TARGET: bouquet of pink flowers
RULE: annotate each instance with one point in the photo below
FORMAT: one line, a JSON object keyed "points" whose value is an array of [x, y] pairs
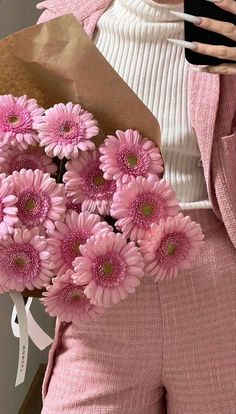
{"points": [[87, 222]]}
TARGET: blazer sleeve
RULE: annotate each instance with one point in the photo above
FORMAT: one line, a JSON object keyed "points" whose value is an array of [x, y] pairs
{"points": [[56, 8], [87, 12]]}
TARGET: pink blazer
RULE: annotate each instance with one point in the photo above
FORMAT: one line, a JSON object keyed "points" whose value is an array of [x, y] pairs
{"points": [[212, 100]]}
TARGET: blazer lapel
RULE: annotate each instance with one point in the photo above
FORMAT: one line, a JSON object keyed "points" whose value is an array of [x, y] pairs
{"points": [[204, 93]]}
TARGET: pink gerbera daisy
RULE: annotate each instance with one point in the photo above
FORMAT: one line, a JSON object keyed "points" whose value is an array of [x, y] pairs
{"points": [[65, 241], [110, 267], [172, 245], [66, 129], [33, 158], [18, 119], [143, 202], [68, 302], [8, 209], [129, 155], [24, 260], [85, 183], [41, 201]]}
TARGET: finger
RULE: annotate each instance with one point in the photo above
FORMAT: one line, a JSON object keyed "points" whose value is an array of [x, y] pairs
{"points": [[224, 69], [222, 52], [227, 29], [228, 5]]}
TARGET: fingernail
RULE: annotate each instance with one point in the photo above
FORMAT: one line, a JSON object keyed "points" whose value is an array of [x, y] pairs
{"points": [[183, 43], [187, 17], [215, 1], [198, 68]]}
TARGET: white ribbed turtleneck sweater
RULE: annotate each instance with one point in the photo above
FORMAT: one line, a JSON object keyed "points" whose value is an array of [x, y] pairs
{"points": [[132, 35]]}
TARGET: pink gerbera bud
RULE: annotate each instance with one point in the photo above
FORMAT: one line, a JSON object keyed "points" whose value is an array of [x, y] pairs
{"points": [[66, 129], [41, 201], [33, 158], [8, 209], [85, 183], [171, 245], [143, 202], [18, 119], [129, 155], [68, 302], [24, 260], [68, 237], [109, 267]]}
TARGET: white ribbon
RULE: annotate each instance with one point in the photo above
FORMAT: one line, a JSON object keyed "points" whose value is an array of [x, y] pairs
{"points": [[14, 325], [24, 338], [25, 328], [39, 337]]}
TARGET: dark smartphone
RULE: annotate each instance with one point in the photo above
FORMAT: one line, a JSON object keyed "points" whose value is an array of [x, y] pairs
{"points": [[196, 34]]}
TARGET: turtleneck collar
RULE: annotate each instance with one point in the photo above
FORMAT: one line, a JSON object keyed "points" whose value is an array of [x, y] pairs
{"points": [[149, 10]]}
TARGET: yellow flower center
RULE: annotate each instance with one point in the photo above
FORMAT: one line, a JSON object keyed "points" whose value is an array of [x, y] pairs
{"points": [[30, 205], [19, 262], [66, 127], [147, 210], [132, 160], [98, 180], [76, 296], [13, 119], [107, 268], [77, 249], [171, 249]]}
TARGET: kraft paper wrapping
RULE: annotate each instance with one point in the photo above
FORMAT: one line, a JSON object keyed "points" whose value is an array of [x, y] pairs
{"points": [[57, 62]]}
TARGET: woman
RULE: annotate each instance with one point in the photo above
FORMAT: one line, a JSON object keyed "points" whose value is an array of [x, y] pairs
{"points": [[170, 346]]}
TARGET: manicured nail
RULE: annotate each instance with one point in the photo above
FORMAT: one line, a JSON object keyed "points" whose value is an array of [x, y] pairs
{"points": [[188, 17], [198, 68], [183, 43], [215, 1]]}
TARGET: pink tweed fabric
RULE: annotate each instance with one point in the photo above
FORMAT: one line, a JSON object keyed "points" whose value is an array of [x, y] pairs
{"points": [[170, 343], [86, 11]]}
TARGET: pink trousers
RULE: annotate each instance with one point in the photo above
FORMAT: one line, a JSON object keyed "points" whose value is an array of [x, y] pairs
{"points": [[169, 348]]}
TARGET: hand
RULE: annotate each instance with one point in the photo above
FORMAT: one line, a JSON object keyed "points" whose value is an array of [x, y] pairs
{"points": [[226, 29]]}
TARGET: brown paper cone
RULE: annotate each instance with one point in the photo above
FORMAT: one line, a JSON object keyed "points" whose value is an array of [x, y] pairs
{"points": [[57, 62]]}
